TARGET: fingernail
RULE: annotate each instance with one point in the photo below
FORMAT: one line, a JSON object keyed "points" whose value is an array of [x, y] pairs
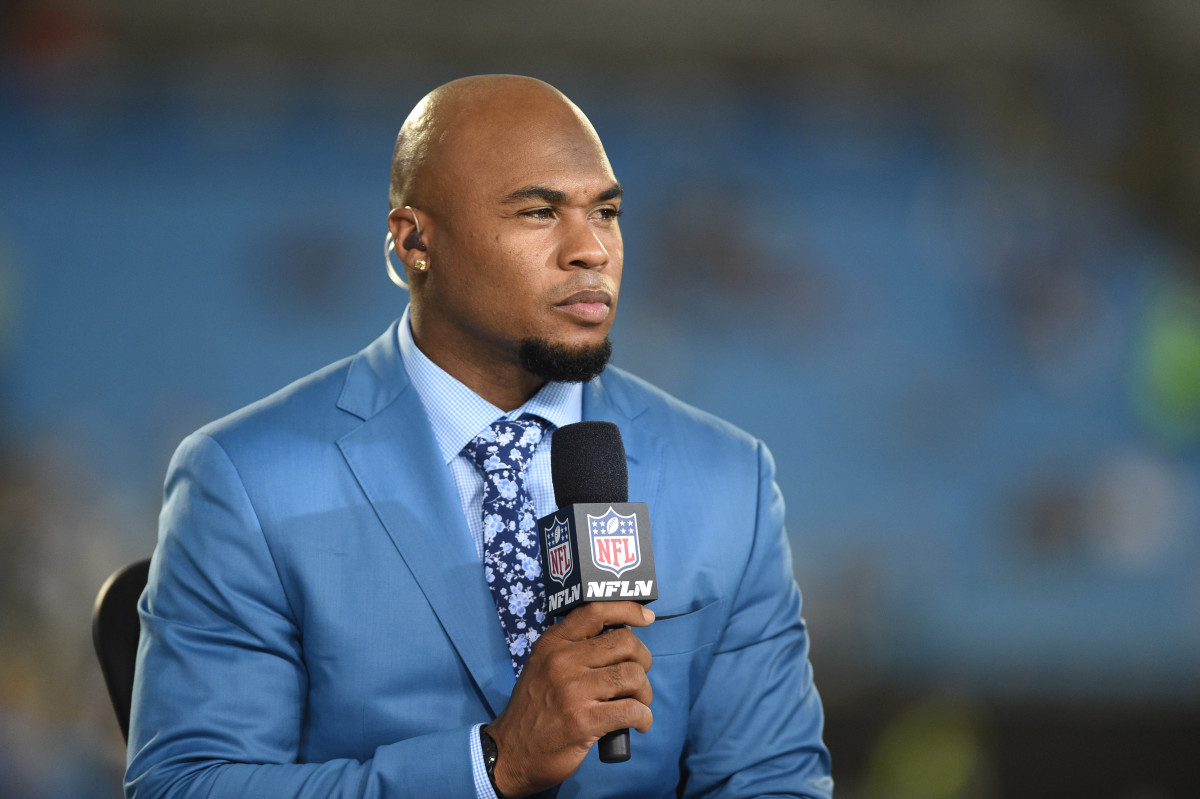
{"points": [[647, 614]]}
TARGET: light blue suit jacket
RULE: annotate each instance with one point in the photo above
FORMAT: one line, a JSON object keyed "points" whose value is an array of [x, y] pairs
{"points": [[316, 623]]}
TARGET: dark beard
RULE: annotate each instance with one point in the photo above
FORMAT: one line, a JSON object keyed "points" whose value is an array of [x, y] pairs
{"points": [[563, 364]]}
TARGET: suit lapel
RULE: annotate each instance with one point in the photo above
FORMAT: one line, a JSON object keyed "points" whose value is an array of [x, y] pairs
{"points": [[396, 461]]}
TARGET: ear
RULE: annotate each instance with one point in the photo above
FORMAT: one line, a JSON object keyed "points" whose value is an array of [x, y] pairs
{"points": [[410, 246]]}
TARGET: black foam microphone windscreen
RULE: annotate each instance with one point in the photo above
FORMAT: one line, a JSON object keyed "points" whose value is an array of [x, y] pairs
{"points": [[587, 462]]}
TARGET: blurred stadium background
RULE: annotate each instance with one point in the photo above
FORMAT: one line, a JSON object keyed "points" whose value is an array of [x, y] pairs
{"points": [[943, 256]]}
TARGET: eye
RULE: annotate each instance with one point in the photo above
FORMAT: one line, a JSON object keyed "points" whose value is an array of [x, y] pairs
{"points": [[539, 213], [608, 214]]}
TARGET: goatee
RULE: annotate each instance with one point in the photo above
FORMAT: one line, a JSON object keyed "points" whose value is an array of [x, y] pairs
{"points": [[562, 364]]}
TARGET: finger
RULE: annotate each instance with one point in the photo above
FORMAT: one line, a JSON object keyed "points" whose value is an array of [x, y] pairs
{"points": [[588, 621], [629, 681], [615, 646], [620, 714], [619, 681], [566, 664]]}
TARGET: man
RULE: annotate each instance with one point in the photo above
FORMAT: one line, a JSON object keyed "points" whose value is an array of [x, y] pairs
{"points": [[328, 614]]}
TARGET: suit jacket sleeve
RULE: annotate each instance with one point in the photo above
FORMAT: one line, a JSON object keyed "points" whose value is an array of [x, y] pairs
{"points": [[756, 725], [220, 693]]}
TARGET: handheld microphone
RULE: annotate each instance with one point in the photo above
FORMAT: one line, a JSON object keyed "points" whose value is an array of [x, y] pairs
{"points": [[596, 546]]}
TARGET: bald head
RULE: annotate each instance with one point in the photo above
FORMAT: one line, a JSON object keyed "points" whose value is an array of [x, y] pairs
{"points": [[457, 127]]}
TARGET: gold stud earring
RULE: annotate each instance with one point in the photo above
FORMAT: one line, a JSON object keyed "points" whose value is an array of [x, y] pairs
{"points": [[420, 265]]}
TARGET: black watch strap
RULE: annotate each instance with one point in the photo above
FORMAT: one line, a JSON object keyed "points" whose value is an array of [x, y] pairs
{"points": [[487, 745]]}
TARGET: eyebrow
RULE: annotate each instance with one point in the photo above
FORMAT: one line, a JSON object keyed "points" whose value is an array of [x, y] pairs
{"points": [[557, 197]]}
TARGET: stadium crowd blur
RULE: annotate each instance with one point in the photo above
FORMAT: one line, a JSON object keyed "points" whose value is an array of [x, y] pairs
{"points": [[957, 295]]}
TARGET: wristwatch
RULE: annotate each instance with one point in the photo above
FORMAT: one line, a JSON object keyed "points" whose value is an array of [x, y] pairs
{"points": [[487, 745]]}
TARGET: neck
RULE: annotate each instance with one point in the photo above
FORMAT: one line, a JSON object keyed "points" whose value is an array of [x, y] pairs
{"points": [[497, 377], [506, 388]]}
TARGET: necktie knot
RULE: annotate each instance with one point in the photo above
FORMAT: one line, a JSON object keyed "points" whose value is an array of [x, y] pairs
{"points": [[506, 445]]}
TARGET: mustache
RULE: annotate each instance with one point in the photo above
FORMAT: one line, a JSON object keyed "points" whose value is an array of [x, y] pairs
{"points": [[597, 288]]}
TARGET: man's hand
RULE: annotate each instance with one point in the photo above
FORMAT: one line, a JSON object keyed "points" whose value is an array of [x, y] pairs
{"points": [[577, 685]]}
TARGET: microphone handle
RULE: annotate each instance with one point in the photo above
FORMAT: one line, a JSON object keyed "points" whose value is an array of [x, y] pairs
{"points": [[614, 745]]}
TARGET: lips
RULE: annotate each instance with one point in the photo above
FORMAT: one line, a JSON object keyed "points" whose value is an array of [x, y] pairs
{"points": [[590, 305], [588, 296]]}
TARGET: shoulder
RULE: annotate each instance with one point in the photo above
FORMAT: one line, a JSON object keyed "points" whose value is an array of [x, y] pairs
{"points": [[320, 406], [687, 427], [292, 410]]}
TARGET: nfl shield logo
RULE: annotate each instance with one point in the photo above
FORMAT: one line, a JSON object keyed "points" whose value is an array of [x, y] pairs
{"points": [[614, 542], [558, 550]]}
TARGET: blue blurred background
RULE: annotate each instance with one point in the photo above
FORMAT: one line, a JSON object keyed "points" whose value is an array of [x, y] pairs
{"points": [[941, 256]]}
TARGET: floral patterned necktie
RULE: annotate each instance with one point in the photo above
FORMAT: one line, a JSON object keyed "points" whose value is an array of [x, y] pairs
{"points": [[511, 552]]}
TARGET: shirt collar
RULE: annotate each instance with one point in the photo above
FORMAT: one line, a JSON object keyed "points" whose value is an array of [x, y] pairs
{"points": [[457, 414]]}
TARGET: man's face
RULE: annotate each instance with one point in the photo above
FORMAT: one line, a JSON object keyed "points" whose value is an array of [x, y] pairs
{"points": [[524, 243]]}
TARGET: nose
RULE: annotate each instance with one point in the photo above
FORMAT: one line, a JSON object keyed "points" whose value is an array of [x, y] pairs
{"points": [[582, 247]]}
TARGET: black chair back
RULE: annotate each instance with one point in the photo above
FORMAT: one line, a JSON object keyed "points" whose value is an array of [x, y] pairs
{"points": [[115, 629]]}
